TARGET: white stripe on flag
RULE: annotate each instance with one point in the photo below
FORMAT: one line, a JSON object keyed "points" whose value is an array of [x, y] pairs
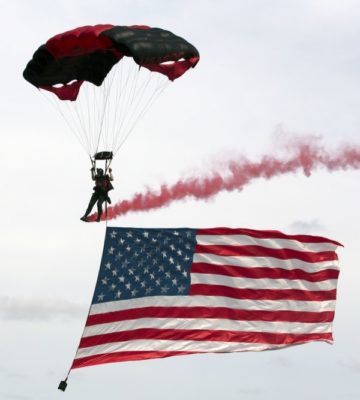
{"points": [[209, 324], [263, 283], [270, 262], [213, 301], [172, 345]]}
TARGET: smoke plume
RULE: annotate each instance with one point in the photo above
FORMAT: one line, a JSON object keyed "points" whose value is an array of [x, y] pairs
{"points": [[302, 155]]}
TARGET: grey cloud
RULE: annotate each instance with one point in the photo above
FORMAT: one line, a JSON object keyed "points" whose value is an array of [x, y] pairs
{"points": [[12, 374], [31, 309], [249, 391], [308, 227], [352, 364], [285, 362], [7, 396]]}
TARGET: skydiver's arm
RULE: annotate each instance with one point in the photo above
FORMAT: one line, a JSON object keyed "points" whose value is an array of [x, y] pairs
{"points": [[92, 173], [111, 177]]}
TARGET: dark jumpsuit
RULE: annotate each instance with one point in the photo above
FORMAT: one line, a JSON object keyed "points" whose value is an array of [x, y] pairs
{"points": [[100, 195]]}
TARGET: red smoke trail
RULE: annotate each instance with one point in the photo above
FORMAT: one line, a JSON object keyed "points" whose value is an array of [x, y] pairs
{"points": [[303, 154]]}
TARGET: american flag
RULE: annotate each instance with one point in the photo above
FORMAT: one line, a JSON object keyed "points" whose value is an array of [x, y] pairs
{"points": [[167, 292]]}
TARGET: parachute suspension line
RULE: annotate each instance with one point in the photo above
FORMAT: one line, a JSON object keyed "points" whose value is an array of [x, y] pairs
{"points": [[89, 133], [107, 165], [139, 95], [88, 99], [105, 95], [76, 121], [130, 84], [96, 102], [153, 97], [118, 80], [107, 115], [73, 128], [129, 110], [78, 112], [105, 98], [75, 115], [124, 100], [132, 116], [106, 214], [117, 106], [109, 88], [93, 98], [160, 87], [94, 113]]}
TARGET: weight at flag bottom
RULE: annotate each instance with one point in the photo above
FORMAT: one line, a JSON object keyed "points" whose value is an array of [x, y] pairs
{"points": [[168, 292]]}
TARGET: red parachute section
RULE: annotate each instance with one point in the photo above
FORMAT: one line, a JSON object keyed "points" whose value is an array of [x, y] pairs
{"points": [[88, 53], [79, 41]]}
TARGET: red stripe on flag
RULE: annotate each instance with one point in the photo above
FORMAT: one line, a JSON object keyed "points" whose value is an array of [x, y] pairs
{"points": [[203, 335], [263, 272], [262, 294], [259, 251], [144, 355], [125, 356], [214, 313]]}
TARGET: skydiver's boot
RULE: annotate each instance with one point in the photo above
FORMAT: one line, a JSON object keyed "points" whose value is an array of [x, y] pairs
{"points": [[84, 218]]}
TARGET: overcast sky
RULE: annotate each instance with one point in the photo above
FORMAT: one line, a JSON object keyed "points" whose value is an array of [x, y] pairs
{"points": [[266, 66]]}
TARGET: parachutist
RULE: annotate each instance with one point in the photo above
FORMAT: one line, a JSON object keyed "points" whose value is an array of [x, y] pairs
{"points": [[109, 57], [101, 189]]}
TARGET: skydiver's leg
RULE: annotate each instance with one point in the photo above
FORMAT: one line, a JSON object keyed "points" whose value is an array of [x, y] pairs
{"points": [[92, 202], [100, 202]]}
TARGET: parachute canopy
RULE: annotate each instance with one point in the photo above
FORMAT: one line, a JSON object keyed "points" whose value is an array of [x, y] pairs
{"points": [[106, 77], [88, 53]]}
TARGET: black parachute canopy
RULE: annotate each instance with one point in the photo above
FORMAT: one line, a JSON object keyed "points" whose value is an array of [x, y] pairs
{"points": [[88, 53]]}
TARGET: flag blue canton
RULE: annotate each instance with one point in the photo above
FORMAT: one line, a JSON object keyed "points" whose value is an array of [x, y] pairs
{"points": [[145, 262]]}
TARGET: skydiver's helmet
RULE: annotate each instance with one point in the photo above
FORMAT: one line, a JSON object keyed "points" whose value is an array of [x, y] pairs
{"points": [[99, 171]]}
